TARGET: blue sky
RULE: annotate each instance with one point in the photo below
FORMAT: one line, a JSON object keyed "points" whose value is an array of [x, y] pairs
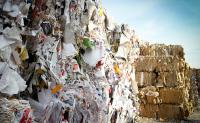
{"points": [[162, 21]]}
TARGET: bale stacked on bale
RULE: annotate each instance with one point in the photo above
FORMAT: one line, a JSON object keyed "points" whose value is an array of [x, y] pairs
{"points": [[195, 86], [164, 82], [155, 50], [198, 80]]}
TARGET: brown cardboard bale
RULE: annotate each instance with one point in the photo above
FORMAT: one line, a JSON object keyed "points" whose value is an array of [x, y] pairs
{"points": [[148, 110], [146, 64], [167, 111], [194, 96], [198, 75], [145, 79], [157, 50], [193, 72], [198, 80], [164, 111], [172, 95], [193, 91], [164, 64], [149, 95], [171, 79], [152, 99], [144, 50], [188, 109], [176, 50]]}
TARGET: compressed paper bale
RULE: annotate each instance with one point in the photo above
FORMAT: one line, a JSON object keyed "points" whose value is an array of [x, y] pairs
{"points": [[172, 95], [167, 111], [164, 51], [151, 64], [145, 79], [188, 109], [171, 79], [144, 50], [173, 50], [164, 64], [152, 50], [198, 80], [145, 64], [161, 50], [152, 97], [164, 111], [182, 65], [148, 110], [198, 74], [194, 96], [149, 95], [193, 91], [145, 90], [176, 50], [193, 71]]}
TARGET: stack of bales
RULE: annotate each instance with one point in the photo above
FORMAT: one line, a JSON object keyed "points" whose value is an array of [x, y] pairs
{"points": [[195, 85], [198, 80], [163, 81]]}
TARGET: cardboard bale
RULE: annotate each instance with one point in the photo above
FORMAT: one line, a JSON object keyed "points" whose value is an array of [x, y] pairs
{"points": [[193, 92], [198, 74], [188, 109], [198, 80], [164, 111], [149, 95], [148, 110], [144, 50], [145, 79], [194, 95], [157, 50], [171, 79], [167, 64], [176, 50], [163, 64], [167, 111], [152, 99], [146, 64], [193, 72], [153, 50], [172, 95]]}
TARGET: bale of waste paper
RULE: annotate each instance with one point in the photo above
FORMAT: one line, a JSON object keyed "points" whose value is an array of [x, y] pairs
{"points": [[172, 95]]}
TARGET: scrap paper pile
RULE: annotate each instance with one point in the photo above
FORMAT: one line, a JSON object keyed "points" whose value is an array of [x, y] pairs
{"points": [[68, 60]]}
